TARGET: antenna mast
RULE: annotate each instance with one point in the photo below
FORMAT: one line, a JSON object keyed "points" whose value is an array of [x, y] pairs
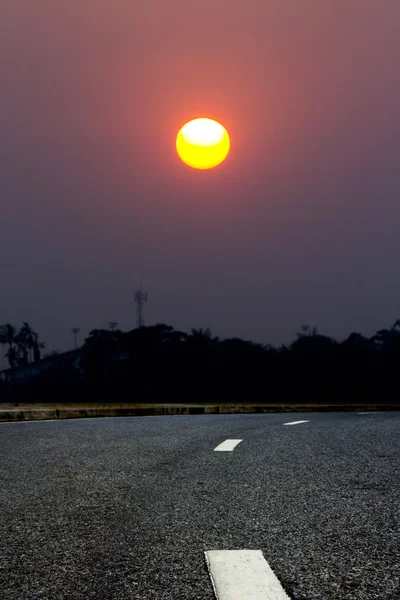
{"points": [[140, 300]]}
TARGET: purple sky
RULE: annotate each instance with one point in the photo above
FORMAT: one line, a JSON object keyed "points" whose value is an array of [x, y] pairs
{"points": [[299, 225]]}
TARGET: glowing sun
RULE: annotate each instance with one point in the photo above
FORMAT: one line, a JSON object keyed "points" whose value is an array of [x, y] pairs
{"points": [[203, 143]]}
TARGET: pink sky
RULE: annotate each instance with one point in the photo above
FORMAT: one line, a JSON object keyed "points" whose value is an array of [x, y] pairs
{"points": [[299, 225]]}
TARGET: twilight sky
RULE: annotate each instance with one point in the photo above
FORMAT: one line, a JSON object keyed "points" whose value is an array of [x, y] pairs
{"points": [[299, 225]]}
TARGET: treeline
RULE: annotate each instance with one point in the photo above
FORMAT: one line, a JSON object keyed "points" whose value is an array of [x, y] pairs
{"points": [[162, 364]]}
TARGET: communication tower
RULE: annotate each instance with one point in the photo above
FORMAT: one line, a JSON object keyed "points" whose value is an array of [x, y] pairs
{"points": [[140, 300]]}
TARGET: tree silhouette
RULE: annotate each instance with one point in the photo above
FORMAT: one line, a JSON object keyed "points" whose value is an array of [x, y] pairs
{"points": [[30, 342], [7, 337], [23, 345]]}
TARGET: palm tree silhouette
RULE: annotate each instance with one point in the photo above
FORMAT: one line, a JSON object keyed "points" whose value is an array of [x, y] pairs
{"points": [[29, 341], [23, 345], [7, 337]]}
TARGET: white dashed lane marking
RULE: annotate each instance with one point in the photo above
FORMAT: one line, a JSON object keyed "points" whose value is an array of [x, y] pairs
{"points": [[296, 422], [227, 446], [243, 575]]}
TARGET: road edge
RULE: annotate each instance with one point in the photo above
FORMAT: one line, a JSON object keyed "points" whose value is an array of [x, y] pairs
{"points": [[48, 413]]}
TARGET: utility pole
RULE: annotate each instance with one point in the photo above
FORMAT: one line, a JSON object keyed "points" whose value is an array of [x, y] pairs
{"points": [[75, 331], [113, 325], [140, 299]]}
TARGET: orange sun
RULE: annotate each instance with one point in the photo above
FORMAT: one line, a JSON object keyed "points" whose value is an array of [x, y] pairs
{"points": [[203, 143]]}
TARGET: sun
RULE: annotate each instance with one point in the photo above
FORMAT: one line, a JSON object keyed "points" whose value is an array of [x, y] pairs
{"points": [[203, 143]]}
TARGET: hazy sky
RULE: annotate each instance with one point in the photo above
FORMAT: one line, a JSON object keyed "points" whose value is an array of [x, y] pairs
{"points": [[299, 225]]}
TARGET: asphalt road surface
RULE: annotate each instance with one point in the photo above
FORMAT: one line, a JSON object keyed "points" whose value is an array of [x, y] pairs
{"points": [[123, 509]]}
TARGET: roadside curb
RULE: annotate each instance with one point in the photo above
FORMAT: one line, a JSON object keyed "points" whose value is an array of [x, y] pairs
{"points": [[40, 414]]}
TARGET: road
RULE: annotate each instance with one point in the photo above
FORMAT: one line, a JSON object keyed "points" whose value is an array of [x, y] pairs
{"points": [[123, 509]]}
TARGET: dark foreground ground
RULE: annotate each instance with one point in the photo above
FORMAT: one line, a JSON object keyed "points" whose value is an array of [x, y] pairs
{"points": [[121, 509]]}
